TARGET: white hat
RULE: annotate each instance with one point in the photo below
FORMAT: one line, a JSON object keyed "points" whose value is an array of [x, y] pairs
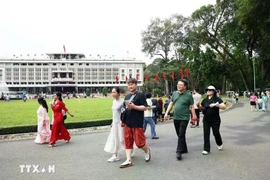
{"points": [[210, 88]]}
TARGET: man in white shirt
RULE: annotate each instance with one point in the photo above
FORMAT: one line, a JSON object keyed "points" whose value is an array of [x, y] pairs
{"points": [[197, 99], [148, 117]]}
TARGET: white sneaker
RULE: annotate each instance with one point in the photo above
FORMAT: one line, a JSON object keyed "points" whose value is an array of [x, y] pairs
{"points": [[220, 147], [126, 164], [147, 156], [114, 158], [205, 152]]}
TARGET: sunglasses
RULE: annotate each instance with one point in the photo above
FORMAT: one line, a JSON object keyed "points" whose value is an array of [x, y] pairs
{"points": [[209, 90]]}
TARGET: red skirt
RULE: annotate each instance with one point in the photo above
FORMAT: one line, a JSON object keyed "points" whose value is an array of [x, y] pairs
{"points": [[59, 131]]}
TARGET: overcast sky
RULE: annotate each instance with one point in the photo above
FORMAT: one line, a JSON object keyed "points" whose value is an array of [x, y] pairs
{"points": [[105, 27]]}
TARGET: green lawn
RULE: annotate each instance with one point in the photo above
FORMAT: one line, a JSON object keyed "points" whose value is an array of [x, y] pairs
{"points": [[19, 113]]}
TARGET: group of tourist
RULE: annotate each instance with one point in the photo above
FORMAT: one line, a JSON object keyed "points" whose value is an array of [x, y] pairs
{"points": [[129, 132], [259, 102]]}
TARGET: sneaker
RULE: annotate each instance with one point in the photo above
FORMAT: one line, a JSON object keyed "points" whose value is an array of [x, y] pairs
{"points": [[126, 164], [67, 141], [205, 152], [147, 156], [51, 145], [193, 126], [155, 137], [114, 158], [220, 147]]}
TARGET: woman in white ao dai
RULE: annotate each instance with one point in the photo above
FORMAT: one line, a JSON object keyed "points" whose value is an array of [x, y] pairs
{"points": [[115, 141], [43, 127]]}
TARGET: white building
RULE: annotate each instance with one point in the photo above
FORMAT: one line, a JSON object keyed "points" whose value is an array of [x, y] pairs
{"points": [[66, 72]]}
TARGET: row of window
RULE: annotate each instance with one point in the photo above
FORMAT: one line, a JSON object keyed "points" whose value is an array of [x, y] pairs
{"points": [[81, 82], [71, 64]]}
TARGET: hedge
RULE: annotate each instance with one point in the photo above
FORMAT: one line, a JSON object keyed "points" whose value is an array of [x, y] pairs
{"points": [[74, 125]]}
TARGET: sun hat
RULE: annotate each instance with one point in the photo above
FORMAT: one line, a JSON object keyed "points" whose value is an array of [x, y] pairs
{"points": [[210, 88]]}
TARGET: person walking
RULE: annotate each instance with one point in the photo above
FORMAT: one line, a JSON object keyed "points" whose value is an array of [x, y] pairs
{"points": [[253, 100], [236, 97], [264, 102], [133, 128], [182, 102], [160, 108], [115, 141], [167, 102], [43, 127], [211, 119], [155, 110], [197, 99], [58, 129], [259, 102], [148, 114]]}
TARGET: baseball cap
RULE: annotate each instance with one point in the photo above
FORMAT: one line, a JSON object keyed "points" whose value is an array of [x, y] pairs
{"points": [[210, 88], [132, 80]]}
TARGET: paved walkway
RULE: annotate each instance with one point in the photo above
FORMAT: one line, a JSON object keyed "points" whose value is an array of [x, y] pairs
{"points": [[246, 137]]}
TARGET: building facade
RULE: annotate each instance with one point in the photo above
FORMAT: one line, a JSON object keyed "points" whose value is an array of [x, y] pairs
{"points": [[67, 72]]}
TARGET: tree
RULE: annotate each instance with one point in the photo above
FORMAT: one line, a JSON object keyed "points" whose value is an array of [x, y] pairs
{"points": [[105, 91], [88, 92], [254, 16], [212, 27], [160, 36]]}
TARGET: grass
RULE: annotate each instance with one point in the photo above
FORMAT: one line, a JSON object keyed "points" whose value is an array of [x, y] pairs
{"points": [[19, 113]]}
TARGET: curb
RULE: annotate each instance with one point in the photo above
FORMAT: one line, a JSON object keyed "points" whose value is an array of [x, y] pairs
{"points": [[22, 136]]}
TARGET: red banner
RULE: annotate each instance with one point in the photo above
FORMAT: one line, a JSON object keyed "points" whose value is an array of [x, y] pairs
{"points": [[181, 73], [156, 77], [64, 47], [186, 71], [173, 75], [164, 76], [116, 79], [137, 77], [126, 79], [146, 77]]}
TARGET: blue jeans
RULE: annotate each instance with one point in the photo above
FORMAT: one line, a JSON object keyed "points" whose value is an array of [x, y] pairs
{"points": [[265, 106], [149, 120], [259, 106]]}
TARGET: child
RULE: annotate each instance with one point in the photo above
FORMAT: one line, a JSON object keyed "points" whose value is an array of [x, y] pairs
{"points": [[259, 101]]}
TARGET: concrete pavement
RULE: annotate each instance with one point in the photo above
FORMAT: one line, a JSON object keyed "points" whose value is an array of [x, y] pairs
{"points": [[246, 137]]}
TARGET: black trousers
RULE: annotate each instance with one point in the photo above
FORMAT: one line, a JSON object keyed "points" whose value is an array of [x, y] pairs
{"points": [[215, 124], [180, 128], [197, 111]]}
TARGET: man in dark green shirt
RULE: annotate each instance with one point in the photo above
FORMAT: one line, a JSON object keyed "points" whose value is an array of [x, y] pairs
{"points": [[183, 104]]}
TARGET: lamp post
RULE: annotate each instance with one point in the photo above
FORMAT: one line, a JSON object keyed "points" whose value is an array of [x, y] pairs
{"points": [[254, 71], [254, 75]]}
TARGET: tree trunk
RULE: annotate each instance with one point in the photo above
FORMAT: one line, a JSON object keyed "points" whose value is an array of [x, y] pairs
{"points": [[223, 85]]}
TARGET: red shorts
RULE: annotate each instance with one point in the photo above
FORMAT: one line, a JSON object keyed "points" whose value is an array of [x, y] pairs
{"points": [[132, 135]]}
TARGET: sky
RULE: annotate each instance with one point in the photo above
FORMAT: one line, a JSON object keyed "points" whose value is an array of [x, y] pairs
{"points": [[105, 27]]}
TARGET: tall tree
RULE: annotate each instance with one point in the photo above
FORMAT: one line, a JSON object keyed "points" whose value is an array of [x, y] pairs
{"points": [[159, 37], [214, 24], [254, 16]]}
